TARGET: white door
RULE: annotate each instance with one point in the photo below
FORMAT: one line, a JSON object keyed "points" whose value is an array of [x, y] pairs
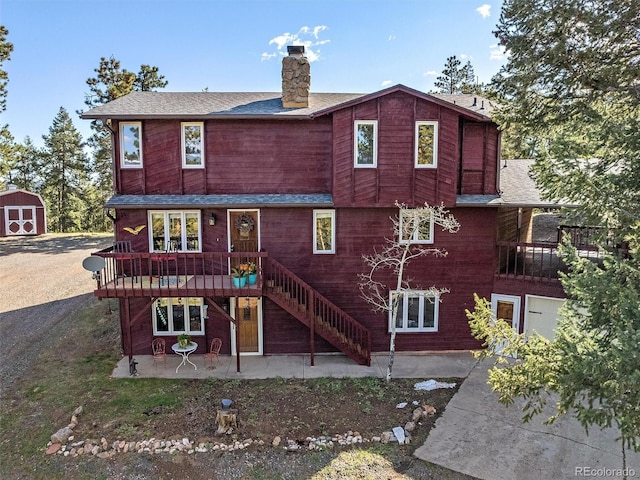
{"points": [[541, 315], [507, 308], [20, 220]]}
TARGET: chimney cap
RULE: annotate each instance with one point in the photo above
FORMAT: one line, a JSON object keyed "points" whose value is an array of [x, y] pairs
{"points": [[295, 49]]}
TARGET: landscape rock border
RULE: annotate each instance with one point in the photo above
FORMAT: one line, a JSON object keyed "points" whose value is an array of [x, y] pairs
{"points": [[62, 442]]}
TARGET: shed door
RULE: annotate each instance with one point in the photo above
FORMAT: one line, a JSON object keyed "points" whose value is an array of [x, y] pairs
{"points": [[542, 315], [20, 220]]}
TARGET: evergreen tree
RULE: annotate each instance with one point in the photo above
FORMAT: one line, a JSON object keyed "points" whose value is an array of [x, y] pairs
{"points": [[26, 172], [456, 78], [6, 48], [571, 88], [65, 175]]}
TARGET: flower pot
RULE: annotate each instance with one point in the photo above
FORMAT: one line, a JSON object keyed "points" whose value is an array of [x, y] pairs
{"points": [[253, 278], [239, 282]]}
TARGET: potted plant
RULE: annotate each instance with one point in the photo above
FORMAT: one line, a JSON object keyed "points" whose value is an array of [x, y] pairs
{"points": [[252, 270], [239, 275], [184, 340]]}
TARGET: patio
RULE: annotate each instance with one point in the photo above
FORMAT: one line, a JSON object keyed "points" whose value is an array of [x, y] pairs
{"points": [[416, 365]]}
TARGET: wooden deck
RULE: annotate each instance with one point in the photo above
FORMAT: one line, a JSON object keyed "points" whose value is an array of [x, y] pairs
{"points": [[175, 275]]}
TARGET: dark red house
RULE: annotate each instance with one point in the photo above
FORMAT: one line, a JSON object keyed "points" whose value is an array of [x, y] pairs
{"points": [[301, 185], [21, 213]]}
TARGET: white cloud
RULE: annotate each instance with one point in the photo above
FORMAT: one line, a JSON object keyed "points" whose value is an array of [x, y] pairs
{"points": [[307, 36], [464, 56], [497, 52], [484, 10], [391, 37], [430, 73], [386, 83]]}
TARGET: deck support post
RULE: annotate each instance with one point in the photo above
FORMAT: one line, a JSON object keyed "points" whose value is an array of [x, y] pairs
{"points": [[312, 328], [237, 335]]}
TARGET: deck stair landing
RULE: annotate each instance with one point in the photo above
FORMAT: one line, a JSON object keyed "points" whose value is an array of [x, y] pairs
{"points": [[315, 311]]}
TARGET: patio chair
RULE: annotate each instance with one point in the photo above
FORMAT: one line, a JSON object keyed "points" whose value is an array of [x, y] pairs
{"points": [[214, 351], [158, 347]]}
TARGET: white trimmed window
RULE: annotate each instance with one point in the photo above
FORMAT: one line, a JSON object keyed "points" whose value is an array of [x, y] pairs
{"points": [[414, 229], [426, 144], [324, 231], [417, 312], [365, 144], [173, 316], [174, 230], [192, 145], [131, 145]]}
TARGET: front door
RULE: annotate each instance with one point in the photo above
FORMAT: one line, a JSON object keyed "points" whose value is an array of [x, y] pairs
{"points": [[248, 314], [507, 308]]}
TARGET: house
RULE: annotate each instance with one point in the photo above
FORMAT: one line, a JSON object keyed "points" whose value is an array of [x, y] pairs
{"points": [[21, 213], [301, 184]]}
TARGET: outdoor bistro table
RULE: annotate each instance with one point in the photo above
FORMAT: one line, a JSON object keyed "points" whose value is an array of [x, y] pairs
{"points": [[184, 352]]}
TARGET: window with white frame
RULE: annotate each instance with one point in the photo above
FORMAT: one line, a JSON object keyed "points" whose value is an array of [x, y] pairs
{"points": [[417, 312], [414, 228], [426, 144], [131, 145], [192, 145], [173, 316], [174, 230], [366, 144], [324, 231]]}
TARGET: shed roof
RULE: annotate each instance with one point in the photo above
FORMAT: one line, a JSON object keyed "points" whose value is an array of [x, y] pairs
{"points": [[517, 189]]}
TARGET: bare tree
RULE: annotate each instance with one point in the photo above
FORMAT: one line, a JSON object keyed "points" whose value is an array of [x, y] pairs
{"points": [[389, 262]]}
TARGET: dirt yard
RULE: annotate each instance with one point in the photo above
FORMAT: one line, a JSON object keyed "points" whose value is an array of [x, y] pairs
{"points": [[45, 291]]}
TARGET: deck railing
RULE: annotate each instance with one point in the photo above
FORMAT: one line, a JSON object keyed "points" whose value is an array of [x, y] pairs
{"points": [[192, 273], [535, 261], [317, 312]]}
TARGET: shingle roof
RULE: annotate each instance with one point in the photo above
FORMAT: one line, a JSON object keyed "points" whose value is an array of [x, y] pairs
{"points": [[517, 189], [229, 200], [205, 105], [140, 105]]}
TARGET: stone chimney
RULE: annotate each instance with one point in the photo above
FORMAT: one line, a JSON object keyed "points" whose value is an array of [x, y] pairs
{"points": [[296, 78]]}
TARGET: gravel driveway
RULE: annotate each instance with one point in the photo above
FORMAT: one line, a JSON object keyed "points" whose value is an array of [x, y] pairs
{"points": [[41, 280]]}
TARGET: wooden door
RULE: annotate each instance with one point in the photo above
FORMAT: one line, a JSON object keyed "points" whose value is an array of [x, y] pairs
{"points": [[507, 308], [248, 322], [244, 231]]}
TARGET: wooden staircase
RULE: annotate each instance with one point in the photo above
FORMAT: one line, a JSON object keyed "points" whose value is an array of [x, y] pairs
{"points": [[321, 316]]}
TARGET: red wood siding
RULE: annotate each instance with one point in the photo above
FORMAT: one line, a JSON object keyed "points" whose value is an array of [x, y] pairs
{"points": [[479, 158], [395, 177]]}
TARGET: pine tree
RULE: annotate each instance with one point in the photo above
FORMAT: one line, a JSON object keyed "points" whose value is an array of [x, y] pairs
{"points": [[456, 78], [65, 175], [571, 88], [6, 48]]}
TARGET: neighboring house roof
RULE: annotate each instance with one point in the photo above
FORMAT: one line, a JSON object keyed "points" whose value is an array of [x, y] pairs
{"points": [[209, 105], [211, 201], [517, 189]]}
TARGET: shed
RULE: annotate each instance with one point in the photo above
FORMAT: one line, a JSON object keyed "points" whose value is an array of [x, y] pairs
{"points": [[21, 213]]}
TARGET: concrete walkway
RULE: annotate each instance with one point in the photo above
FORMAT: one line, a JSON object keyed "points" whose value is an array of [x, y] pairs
{"points": [[478, 436]]}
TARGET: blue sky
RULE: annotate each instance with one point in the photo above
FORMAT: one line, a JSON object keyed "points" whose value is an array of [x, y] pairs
{"points": [[234, 45]]}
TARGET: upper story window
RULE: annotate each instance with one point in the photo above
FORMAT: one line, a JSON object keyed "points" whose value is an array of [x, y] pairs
{"points": [[426, 144], [415, 229], [173, 230], [131, 145], [324, 232], [192, 145], [366, 144], [417, 312]]}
